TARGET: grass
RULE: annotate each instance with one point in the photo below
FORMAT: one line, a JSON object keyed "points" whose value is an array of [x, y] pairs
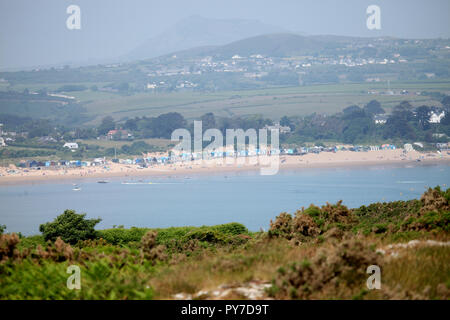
{"points": [[420, 270]]}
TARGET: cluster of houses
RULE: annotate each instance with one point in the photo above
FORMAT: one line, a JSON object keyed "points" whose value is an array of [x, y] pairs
{"points": [[318, 149], [436, 115], [8, 136], [119, 134], [258, 65]]}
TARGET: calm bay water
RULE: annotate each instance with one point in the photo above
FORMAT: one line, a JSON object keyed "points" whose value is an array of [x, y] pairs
{"points": [[197, 200]]}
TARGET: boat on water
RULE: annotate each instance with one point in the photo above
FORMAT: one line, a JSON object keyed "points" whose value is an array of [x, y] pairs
{"points": [[139, 182], [102, 181], [76, 188]]}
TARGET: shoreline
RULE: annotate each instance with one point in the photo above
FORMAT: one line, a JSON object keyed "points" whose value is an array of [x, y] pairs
{"points": [[342, 159]]}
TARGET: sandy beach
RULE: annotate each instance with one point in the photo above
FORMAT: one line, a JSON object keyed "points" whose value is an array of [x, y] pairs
{"points": [[14, 175]]}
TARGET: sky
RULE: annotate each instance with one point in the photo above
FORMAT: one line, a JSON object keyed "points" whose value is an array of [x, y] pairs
{"points": [[34, 32]]}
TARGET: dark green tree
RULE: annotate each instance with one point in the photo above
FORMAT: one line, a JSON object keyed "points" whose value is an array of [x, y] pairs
{"points": [[208, 121], [373, 107], [351, 109], [106, 125], [446, 103], [285, 121], [71, 227], [166, 123], [423, 116]]}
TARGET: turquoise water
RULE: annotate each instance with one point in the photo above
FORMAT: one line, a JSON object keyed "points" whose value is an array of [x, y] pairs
{"points": [[244, 197]]}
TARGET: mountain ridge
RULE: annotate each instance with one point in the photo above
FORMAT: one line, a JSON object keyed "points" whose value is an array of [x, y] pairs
{"points": [[196, 31]]}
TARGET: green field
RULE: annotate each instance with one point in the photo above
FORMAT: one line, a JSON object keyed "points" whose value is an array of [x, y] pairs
{"points": [[272, 103]]}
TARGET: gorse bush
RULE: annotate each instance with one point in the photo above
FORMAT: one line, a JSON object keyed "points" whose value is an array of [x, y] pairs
{"points": [[150, 250], [57, 251], [429, 214], [312, 222], [176, 238], [121, 236], [8, 243], [332, 271], [70, 227], [435, 200]]}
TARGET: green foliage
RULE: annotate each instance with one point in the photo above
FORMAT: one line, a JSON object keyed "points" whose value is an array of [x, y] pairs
{"points": [[106, 125], [435, 220], [343, 264], [70, 227], [99, 280], [232, 229], [31, 242], [312, 222], [2, 228], [377, 216], [213, 234], [121, 236]]}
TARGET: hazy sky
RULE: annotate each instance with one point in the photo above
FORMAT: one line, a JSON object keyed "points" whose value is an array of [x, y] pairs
{"points": [[34, 32]]}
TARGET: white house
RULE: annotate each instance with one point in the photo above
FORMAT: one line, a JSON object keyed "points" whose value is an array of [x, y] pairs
{"points": [[2, 142], [436, 118], [281, 128], [380, 118], [71, 145]]}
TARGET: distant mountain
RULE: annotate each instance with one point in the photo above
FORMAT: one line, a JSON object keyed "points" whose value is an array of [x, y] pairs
{"points": [[274, 45], [196, 31]]}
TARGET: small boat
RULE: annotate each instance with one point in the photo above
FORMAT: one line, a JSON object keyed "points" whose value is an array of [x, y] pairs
{"points": [[102, 181], [139, 182], [76, 188]]}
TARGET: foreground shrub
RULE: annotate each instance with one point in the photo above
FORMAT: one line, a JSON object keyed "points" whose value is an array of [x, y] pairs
{"points": [[313, 221], [167, 236], [150, 250], [336, 272], [434, 214], [435, 200], [282, 226], [58, 251], [47, 281], [70, 227], [121, 236], [232, 229], [8, 243]]}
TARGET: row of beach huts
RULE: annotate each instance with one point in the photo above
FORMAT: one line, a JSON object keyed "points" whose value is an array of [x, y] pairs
{"points": [[180, 156]]}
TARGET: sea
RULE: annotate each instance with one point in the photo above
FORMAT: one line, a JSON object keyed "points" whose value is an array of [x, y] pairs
{"points": [[199, 199]]}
